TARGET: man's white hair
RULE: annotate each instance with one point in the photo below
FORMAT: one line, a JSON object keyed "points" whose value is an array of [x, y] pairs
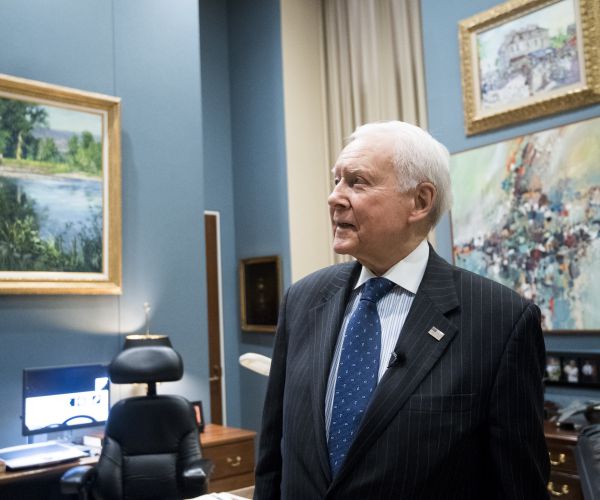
{"points": [[417, 158]]}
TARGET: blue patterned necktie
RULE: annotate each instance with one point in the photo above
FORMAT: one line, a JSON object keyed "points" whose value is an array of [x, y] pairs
{"points": [[357, 372]]}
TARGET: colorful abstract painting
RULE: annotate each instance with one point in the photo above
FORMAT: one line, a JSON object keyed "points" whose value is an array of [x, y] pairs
{"points": [[526, 213]]}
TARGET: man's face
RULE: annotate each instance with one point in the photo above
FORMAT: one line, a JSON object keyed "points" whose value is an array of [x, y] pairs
{"points": [[369, 215]]}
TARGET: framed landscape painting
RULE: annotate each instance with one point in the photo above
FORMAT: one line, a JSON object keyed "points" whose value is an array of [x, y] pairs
{"points": [[526, 213], [60, 190], [529, 58]]}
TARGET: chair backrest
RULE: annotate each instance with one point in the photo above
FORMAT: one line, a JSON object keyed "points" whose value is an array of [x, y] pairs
{"points": [[148, 442], [148, 364], [151, 442], [587, 457]]}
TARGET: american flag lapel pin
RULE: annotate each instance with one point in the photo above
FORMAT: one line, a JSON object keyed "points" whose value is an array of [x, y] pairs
{"points": [[435, 333]]}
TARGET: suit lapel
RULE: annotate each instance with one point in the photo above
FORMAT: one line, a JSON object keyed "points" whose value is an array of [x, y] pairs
{"points": [[325, 321], [418, 350]]}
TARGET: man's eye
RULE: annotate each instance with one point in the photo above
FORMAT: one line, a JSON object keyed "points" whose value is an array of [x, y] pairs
{"points": [[336, 181]]}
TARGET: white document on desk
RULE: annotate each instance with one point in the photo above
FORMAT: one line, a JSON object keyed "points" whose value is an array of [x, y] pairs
{"points": [[219, 496], [39, 454]]}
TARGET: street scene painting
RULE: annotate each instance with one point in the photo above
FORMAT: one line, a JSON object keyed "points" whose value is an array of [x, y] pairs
{"points": [[50, 188], [60, 190], [526, 213], [529, 58]]}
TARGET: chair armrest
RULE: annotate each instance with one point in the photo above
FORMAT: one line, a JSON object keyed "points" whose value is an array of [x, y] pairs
{"points": [[195, 477], [74, 479]]}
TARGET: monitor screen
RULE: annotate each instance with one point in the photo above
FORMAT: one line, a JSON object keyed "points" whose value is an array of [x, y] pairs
{"points": [[65, 397]]}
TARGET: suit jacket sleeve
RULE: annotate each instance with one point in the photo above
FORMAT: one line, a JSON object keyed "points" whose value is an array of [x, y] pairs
{"points": [[517, 444], [268, 468]]}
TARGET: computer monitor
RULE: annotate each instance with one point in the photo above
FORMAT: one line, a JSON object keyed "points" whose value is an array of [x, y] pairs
{"points": [[64, 398]]}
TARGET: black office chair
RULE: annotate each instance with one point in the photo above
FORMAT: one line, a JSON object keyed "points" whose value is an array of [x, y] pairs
{"points": [[587, 458], [151, 447]]}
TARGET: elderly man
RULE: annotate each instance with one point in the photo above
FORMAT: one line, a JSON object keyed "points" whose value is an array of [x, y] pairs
{"points": [[400, 376]]}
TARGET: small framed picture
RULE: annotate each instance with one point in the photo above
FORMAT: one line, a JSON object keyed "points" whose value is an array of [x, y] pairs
{"points": [[590, 368], [197, 406], [573, 369], [260, 290], [570, 369], [553, 368]]}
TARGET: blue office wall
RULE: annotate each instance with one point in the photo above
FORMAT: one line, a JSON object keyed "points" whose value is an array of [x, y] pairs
{"points": [[444, 100], [218, 185], [147, 53], [258, 148]]}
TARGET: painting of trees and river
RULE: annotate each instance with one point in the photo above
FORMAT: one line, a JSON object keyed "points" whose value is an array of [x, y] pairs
{"points": [[51, 188], [526, 213]]}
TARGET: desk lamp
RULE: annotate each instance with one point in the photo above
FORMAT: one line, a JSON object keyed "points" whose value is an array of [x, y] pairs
{"points": [[137, 340], [256, 362]]}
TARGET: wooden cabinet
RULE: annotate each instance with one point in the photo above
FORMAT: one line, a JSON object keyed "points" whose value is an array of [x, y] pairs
{"points": [[232, 452], [564, 479]]}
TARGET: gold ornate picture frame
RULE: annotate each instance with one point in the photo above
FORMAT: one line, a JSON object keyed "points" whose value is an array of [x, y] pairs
{"points": [[60, 190], [260, 292], [529, 58]]}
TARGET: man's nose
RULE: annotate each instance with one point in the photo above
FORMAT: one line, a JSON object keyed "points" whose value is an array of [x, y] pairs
{"points": [[337, 197]]}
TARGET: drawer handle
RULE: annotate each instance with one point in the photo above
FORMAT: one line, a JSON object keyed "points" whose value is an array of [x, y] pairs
{"points": [[562, 458], [563, 491], [234, 462]]}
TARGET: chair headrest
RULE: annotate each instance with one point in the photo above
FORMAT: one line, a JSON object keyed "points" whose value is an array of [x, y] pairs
{"points": [[146, 365]]}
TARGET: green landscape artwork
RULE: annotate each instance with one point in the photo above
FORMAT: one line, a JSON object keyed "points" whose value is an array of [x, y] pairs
{"points": [[51, 188]]}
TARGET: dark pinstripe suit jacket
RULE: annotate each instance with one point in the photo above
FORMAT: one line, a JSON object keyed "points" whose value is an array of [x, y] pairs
{"points": [[459, 418]]}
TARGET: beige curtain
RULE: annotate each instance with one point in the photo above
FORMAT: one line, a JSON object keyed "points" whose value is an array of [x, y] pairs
{"points": [[373, 66]]}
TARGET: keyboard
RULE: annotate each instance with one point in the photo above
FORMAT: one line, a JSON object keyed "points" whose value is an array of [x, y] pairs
{"points": [[40, 454]]}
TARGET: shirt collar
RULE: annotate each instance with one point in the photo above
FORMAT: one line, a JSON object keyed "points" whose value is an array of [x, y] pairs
{"points": [[406, 273]]}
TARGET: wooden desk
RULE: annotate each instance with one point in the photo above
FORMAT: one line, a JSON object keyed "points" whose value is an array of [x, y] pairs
{"points": [[232, 452], [230, 449], [564, 479]]}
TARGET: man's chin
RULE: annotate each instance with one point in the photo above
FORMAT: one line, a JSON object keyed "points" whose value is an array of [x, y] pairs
{"points": [[342, 248]]}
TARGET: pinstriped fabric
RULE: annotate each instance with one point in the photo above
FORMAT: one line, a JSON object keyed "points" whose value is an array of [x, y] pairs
{"points": [[460, 418]]}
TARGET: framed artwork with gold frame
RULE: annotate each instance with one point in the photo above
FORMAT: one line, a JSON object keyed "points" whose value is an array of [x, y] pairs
{"points": [[529, 58], [60, 190], [260, 291]]}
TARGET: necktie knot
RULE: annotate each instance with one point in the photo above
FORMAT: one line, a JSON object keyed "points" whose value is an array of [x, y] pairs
{"points": [[375, 289]]}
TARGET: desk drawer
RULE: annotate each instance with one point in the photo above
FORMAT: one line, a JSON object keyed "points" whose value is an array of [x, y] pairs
{"points": [[231, 459], [562, 457], [565, 486]]}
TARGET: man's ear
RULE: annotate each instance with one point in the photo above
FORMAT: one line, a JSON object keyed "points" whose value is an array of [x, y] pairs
{"points": [[423, 197]]}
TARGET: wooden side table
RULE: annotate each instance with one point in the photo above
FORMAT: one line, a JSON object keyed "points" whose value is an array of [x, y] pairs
{"points": [[232, 452], [564, 479]]}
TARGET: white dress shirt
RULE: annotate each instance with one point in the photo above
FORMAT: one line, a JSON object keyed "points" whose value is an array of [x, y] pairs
{"points": [[393, 309]]}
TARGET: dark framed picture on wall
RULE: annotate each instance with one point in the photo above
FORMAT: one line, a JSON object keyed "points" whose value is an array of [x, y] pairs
{"points": [[573, 369], [526, 213], [60, 190], [529, 58], [260, 291]]}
